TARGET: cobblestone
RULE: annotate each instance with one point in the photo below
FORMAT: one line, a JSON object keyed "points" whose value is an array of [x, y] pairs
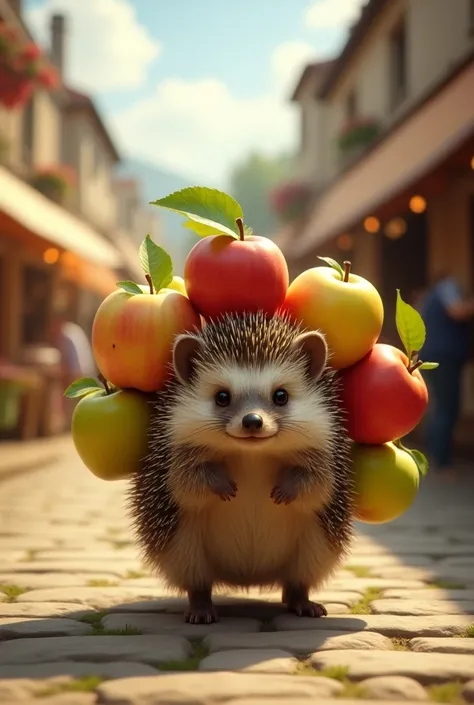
{"points": [[298, 642], [389, 625], [216, 687], [393, 688], [81, 611], [14, 627], [424, 668]]}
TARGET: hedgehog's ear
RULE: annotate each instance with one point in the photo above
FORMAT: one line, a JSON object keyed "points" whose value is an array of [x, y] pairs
{"points": [[313, 345], [186, 349]]}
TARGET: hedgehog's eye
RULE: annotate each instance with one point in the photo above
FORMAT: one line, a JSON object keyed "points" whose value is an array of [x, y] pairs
{"points": [[280, 397], [222, 398]]}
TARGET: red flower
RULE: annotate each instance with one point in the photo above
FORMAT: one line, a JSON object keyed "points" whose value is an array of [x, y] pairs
{"points": [[48, 77], [31, 52]]}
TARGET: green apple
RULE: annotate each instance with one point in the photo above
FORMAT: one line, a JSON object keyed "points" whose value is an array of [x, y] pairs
{"points": [[387, 479], [177, 283], [109, 431]]}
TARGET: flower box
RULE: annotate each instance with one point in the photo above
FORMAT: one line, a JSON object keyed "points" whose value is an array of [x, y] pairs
{"points": [[22, 69], [54, 182], [356, 136], [291, 200]]}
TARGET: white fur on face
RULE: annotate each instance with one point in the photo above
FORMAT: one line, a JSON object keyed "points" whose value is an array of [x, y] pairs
{"points": [[303, 423]]}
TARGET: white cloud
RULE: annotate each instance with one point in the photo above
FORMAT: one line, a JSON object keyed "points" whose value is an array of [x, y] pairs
{"points": [[199, 128], [107, 48], [332, 14]]}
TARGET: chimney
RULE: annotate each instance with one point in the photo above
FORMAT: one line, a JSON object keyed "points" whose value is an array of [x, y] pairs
{"points": [[58, 38], [16, 5]]}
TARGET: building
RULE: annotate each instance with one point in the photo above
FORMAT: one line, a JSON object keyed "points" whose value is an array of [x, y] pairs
{"points": [[387, 143], [59, 245], [134, 216]]}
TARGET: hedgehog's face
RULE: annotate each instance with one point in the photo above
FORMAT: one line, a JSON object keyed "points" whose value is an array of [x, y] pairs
{"points": [[252, 406]]}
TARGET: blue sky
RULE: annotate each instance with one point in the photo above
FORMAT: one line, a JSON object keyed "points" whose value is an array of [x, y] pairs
{"points": [[194, 85]]}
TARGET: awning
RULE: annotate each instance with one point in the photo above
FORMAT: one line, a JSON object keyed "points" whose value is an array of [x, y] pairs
{"points": [[416, 147], [50, 221]]}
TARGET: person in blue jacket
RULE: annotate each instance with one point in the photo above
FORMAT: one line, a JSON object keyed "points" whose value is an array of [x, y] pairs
{"points": [[446, 313]]}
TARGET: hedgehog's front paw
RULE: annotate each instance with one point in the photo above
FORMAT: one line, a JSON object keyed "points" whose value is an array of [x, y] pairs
{"points": [[214, 477], [306, 608], [224, 488], [284, 492], [201, 615]]}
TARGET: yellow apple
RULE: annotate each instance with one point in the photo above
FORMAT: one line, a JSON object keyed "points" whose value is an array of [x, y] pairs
{"points": [[386, 482], [177, 283], [344, 306], [109, 432]]}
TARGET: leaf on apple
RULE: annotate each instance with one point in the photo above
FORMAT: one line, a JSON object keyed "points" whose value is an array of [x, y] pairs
{"points": [[208, 211], [410, 327], [429, 365], [333, 264], [130, 288], [156, 262], [419, 457], [81, 387]]}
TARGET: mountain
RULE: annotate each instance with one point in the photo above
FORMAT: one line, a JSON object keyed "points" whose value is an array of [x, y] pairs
{"points": [[157, 182]]}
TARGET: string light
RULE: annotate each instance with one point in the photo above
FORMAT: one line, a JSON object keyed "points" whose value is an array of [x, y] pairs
{"points": [[395, 228], [472, 163], [51, 255], [344, 242], [372, 224], [417, 204]]}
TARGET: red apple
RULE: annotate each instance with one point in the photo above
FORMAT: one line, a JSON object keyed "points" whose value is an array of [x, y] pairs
{"points": [[382, 399], [226, 275], [132, 336]]}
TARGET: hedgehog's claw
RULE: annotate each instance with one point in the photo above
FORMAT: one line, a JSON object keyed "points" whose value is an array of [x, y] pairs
{"points": [[306, 608], [283, 494], [201, 615]]}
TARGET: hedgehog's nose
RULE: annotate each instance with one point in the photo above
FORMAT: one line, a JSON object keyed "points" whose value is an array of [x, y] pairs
{"points": [[252, 422]]}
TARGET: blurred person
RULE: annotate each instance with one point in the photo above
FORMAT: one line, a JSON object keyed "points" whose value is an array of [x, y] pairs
{"points": [[446, 313], [77, 359]]}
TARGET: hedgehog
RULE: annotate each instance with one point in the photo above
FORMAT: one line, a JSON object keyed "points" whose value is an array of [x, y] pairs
{"points": [[247, 481]]}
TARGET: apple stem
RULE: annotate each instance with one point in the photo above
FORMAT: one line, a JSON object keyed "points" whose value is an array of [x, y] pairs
{"points": [[347, 271], [240, 225], [415, 366], [150, 283], [105, 383]]}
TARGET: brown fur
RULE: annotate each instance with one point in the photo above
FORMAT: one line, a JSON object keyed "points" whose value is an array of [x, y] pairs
{"points": [[215, 508]]}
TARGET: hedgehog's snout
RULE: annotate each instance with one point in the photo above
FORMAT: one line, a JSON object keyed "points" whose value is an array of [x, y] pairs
{"points": [[252, 422]]}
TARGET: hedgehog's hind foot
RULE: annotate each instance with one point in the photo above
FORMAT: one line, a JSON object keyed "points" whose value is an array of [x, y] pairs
{"points": [[296, 598], [200, 609]]}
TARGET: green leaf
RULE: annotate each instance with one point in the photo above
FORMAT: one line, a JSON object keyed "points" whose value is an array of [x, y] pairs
{"points": [[156, 262], [248, 231], [212, 212], [419, 457], [81, 387], [410, 326], [201, 229], [335, 265], [429, 366], [130, 288]]}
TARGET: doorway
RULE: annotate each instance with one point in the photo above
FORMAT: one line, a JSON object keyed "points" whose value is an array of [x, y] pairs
{"points": [[403, 266]]}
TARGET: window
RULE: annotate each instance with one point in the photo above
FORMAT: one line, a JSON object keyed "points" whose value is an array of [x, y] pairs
{"points": [[471, 17], [398, 65], [351, 106], [28, 129]]}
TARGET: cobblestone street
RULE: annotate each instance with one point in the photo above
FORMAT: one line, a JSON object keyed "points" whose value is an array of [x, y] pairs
{"points": [[82, 621]]}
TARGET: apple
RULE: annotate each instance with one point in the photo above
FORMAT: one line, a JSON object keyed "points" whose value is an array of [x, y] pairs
{"points": [[132, 336], [383, 400], [178, 284], [109, 432], [226, 275], [344, 306], [386, 482]]}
